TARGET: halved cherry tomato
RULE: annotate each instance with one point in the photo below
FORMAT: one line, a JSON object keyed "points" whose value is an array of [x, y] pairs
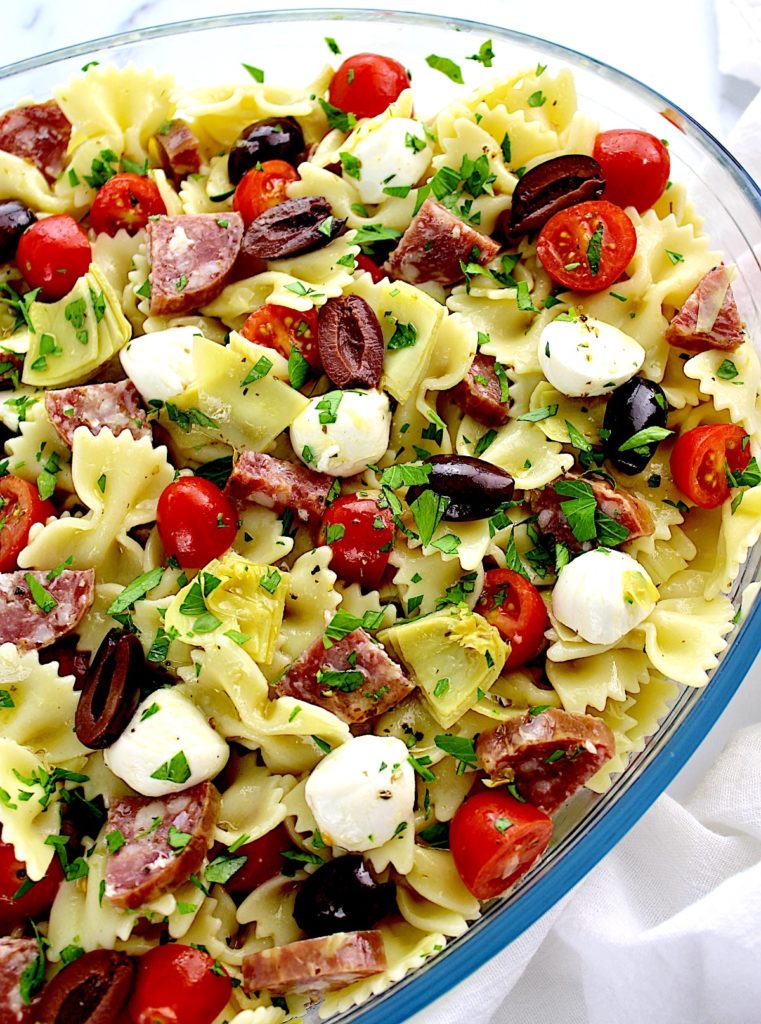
{"points": [[20, 508], [588, 246], [367, 83], [372, 268], [700, 458], [263, 860], [178, 984], [196, 522], [361, 535], [495, 839], [282, 328], [513, 604], [35, 901], [125, 201], [53, 254], [635, 166], [263, 187]]}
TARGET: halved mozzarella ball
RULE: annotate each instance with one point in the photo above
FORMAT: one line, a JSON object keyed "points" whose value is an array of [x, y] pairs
{"points": [[585, 357], [160, 365], [343, 432], [603, 594], [169, 745], [362, 792], [395, 154]]}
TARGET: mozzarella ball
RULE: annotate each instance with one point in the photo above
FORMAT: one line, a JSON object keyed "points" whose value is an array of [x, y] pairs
{"points": [[362, 792], [168, 746], [160, 365], [387, 160], [603, 594], [586, 357], [357, 436]]}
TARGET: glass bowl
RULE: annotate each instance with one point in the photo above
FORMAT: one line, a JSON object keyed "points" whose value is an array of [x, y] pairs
{"points": [[289, 43]]}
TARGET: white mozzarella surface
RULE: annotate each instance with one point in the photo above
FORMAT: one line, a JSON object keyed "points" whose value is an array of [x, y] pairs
{"points": [[160, 365], [585, 357], [386, 161], [362, 792], [358, 438]]}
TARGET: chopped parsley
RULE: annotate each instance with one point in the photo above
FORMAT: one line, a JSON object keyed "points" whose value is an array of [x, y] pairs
{"points": [[446, 67], [176, 769], [485, 54]]}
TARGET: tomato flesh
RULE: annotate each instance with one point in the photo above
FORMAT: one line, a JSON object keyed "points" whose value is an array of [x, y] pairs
{"points": [[282, 328], [588, 246], [365, 263], [261, 188], [635, 165], [20, 508], [361, 535], [53, 254], [263, 860], [365, 84], [495, 839], [125, 201], [36, 901], [513, 604], [700, 458], [195, 520], [178, 984]]}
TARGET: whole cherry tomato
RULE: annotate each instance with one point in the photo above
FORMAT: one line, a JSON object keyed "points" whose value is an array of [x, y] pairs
{"points": [[35, 900], [263, 187], [20, 508], [367, 83], [635, 166], [700, 459], [372, 268], [361, 535], [513, 604], [263, 860], [495, 839], [588, 246], [125, 201], [282, 328], [178, 984], [53, 254], [196, 522]]}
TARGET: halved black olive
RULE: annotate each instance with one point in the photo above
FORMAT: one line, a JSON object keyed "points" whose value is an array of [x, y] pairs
{"points": [[548, 188], [292, 227], [15, 218], [111, 691], [342, 896], [276, 138], [632, 407], [475, 488]]}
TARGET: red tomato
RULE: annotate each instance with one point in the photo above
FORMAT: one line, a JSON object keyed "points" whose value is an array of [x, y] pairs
{"points": [[700, 458], [365, 263], [259, 189], [263, 860], [514, 605], [361, 535], [196, 522], [282, 328], [178, 984], [635, 166], [20, 507], [367, 83], [53, 254], [125, 201], [33, 903], [565, 241], [495, 839]]}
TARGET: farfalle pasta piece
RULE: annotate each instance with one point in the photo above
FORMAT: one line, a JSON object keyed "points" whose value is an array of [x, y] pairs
{"points": [[733, 382], [270, 907], [432, 896], [740, 529], [519, 447], [114, 255], [38, 448], [590, 683], [27, 820], [20, 179], [253, 804]]}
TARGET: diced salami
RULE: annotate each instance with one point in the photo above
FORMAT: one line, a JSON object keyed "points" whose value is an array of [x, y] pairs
{"points": [[191, 256], [354, 678], [15, 956], [95, 406], [165, 841], [709, 317], [434, 244], [548, 756], [56, 607], [39, 133], [315, 966], [279, 485], [479, 394], [179, 149], [627, 509]]}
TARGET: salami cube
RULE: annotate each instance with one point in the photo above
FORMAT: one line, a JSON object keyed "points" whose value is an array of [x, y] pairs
{"points": [[95, 406], [315, 966], [479, 394], [37, 614], [709, 317], [279, 485], [16, 955], [39, 133]]}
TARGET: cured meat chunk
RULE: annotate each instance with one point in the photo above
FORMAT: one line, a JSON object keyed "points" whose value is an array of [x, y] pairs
{"points": [[548, 756], [95, 406], [479, 394], [709, 317], [279, 485], [165, 842], [354, 678], [191, 256], [39, 614], [315, 966], [179, 149], [15, 956], [434, 244], [39, 133]]}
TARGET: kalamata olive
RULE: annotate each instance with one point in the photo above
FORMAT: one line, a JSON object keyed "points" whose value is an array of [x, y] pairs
{"points": [[111, 690], [342, 896], [293, 226], [549, 187], [633, 407], [15, 218], [277, 138], [474, 487], [351, 342], [91, 990]]}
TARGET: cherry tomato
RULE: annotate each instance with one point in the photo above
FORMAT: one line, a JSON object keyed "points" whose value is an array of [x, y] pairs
{"points": [[372, 268], [178, 984], [282, 328], [700, 458], [125, 201], [513, 604], [361, 535], [20, 508], [588, 246], [635, 166], [36, 901], [367, 83], [53, 254], [495, 839], [263, 860], [195, 520], [260, 189]]}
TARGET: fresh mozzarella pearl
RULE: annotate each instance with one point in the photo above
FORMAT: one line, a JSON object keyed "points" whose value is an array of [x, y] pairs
{"points": [[160, 365], [153, 740], [603, 594], [358, 437], [362, 792], [387, 161], [586, 357]]}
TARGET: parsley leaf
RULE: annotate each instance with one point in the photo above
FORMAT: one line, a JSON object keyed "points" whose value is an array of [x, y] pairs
{"points": [[446, 67]]}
